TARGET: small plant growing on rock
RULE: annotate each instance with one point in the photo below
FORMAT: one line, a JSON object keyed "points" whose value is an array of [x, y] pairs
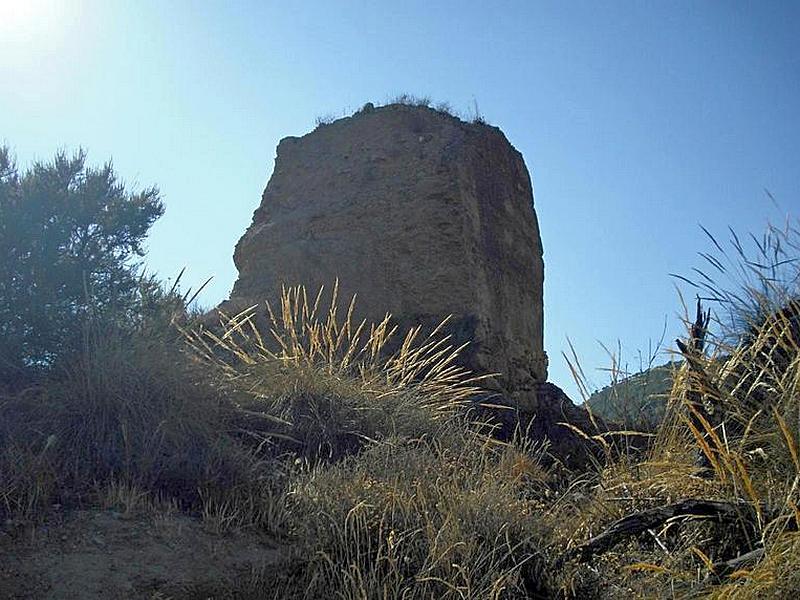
{"points": [[411, 100], [323, 120]]}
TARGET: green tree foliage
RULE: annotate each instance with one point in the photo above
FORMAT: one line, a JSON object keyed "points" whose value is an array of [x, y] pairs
{"points": [[70, 236]]}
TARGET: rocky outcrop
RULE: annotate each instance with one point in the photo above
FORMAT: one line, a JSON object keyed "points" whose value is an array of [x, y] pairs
{"points": [[423, 216], [540, 413]]}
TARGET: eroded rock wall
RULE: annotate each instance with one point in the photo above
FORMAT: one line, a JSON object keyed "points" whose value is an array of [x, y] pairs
{"points": [[419, 213]]}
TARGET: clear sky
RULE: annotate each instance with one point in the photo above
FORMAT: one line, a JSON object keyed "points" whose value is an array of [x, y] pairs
{"points": [[637, 120]]}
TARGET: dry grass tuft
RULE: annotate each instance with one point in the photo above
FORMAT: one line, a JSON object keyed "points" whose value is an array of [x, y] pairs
{"points": [[323, 386], [447, 518], [730, 435]]}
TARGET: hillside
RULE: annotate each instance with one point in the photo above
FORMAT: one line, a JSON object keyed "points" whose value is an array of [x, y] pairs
{"points": [[638, 398]]}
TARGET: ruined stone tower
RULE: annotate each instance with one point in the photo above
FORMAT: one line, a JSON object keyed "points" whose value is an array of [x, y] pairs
{"points": [[423, 215]]}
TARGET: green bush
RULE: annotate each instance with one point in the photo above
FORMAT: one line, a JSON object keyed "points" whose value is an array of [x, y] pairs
{"points": [[69, 235]]}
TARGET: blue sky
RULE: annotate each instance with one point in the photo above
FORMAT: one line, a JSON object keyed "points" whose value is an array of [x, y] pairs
{"points": [[638, 120]]}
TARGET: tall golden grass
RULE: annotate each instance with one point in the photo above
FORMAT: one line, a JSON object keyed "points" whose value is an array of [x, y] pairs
{"points": [[730, 434], [324, 384]]}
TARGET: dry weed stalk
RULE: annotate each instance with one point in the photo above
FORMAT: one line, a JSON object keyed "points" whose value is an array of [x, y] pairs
{"points": [[303, 338]]}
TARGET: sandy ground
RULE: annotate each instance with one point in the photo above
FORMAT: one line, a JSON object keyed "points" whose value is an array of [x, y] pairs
{"points": [[106, 554]]}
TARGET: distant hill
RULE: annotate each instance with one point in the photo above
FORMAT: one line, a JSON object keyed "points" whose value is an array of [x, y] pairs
{"points": [[638, 399]]}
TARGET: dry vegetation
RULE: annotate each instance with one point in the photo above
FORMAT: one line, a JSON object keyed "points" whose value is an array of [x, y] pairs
{"points": [[296, 425], [473, 115]]}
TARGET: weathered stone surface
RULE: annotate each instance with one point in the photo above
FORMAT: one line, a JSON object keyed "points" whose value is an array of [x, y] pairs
{"points": [[419, 213], [541, 413]]}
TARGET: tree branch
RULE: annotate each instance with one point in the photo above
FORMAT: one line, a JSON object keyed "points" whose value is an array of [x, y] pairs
{"points": [[721, 569], [722, 512]]}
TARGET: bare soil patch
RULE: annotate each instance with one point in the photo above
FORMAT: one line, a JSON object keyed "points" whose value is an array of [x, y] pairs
{"points": [[95, 554]]}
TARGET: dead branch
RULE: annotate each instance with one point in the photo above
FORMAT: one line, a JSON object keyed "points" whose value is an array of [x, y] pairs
{"points": [[723, 568], [637, 523]]}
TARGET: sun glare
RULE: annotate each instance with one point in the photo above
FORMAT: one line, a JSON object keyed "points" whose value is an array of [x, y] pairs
{"points": [[35, 37], [20, 13], [25, 21]]}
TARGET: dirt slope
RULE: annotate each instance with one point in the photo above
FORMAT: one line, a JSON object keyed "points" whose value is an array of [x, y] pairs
{"points": [[104, 554]]}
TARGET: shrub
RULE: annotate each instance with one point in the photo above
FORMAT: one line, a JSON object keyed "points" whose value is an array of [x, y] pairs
{"points": [[126, 407], [68, 235]]}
